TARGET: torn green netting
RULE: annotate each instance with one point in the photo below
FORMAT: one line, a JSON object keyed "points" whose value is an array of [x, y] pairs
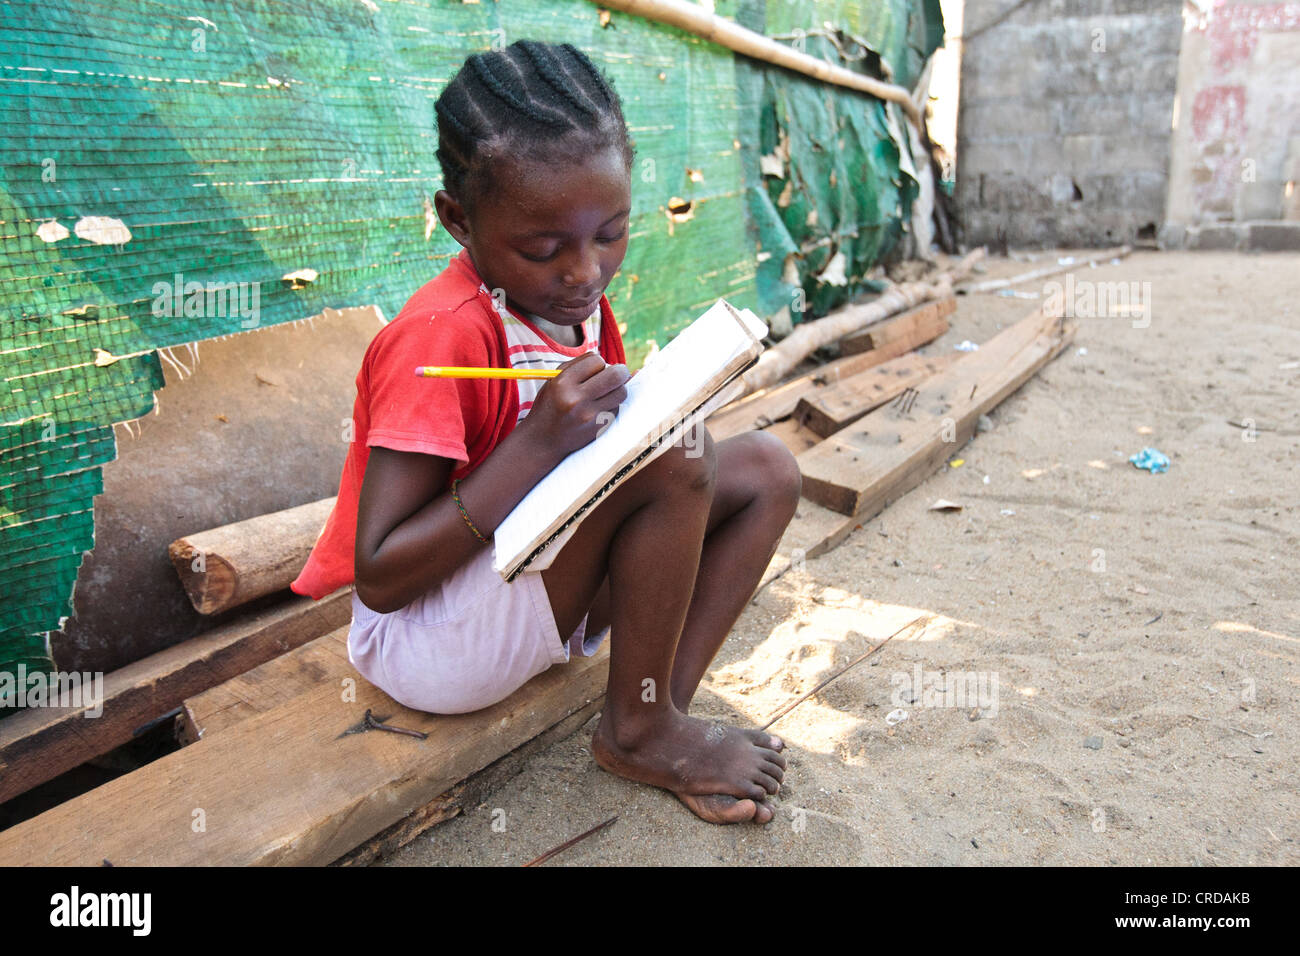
{"points": [[236, 143]]}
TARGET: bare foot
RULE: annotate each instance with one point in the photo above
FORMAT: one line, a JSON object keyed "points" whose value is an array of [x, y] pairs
{"points": [[722, 809], [718, 808], [721, 773]]}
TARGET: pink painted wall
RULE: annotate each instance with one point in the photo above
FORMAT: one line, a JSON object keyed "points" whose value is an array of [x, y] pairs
{"points": [[1236, 138]]}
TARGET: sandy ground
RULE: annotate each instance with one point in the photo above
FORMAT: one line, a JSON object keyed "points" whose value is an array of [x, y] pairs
{"points": [[1143, 630]]}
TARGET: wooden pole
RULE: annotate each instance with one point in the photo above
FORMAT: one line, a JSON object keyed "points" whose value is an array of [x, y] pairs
{"points": [[992, 285], [778, 361], [709, 26], [228, 566]]}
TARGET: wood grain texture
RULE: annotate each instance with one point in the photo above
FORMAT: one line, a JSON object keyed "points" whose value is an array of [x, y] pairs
{"points": [[325, 660], [468, 793], [924, 324], [284, 788], [848, 400], [862, 468], [222, 568], [267, 685], [898, 335], [37, 745]]}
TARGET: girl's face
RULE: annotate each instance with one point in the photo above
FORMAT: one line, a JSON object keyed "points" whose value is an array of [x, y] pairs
{"points": [[551, 235]]}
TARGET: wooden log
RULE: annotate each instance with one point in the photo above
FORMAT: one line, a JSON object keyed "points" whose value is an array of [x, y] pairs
{"points": [[930, 322], [228, 566], [693, 18], [862, 468], [836, 407], [993, 285], [777, 362], [37, 745], [290, 786], [898, 335]]}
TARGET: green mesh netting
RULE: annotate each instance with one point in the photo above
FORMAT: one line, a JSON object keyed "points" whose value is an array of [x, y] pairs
{"points": [[238, 142]]}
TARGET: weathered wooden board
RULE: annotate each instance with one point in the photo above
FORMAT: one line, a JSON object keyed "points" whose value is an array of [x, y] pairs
{"points": [[926, 323], [289, 786], [38, 744], [839, 406], [859, 470], [899, 335]]}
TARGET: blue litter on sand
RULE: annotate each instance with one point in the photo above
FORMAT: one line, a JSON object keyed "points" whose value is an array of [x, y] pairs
{"points": [[1152, 460]]}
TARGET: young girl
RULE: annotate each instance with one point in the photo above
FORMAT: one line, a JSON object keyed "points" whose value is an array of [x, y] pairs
{"points": [[536, 164]]}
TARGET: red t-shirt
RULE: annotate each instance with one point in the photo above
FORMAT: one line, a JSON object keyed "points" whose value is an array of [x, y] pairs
{"points": [[451, 320]]}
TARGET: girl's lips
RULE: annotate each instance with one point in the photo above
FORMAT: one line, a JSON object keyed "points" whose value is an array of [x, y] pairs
{"points": [[585, 304]]}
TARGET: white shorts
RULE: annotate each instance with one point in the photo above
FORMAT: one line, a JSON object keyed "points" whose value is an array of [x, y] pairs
{"points": [[465, 644]]}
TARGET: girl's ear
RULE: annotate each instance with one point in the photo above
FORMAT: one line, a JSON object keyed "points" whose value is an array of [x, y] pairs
{"points": [[452, 216]]}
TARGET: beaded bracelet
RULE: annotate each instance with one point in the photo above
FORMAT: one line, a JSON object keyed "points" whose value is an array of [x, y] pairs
{"points": [[461, 508]]}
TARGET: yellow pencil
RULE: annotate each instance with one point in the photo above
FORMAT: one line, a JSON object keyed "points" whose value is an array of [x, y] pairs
{"points": [[459, 371]]}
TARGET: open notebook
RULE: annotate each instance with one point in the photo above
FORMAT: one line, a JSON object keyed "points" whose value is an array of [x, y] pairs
{"points": [[681, 385]]}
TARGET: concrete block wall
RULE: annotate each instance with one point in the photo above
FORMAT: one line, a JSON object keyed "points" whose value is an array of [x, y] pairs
{"points": [[1063, 133]]}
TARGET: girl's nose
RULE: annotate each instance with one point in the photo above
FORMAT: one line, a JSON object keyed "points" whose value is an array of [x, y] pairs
{"points": [[582, 269]]}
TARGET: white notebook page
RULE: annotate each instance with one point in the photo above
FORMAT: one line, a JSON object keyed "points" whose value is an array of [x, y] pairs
{"points": [[663, 386]]}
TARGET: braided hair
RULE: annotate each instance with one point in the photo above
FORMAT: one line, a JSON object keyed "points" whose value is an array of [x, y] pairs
{"points": [[533, 98]]}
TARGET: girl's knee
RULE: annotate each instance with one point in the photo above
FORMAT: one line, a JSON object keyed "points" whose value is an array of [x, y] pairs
{"points": [[776, 468], [690, 463]]}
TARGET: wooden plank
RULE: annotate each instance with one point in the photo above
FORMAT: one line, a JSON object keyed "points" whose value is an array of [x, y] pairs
{"points": [[288, 787], [900, 335], [860, 469], [266, 686], [926, 323], [795, 436], [468, 793], [325, 660], [836, 407], [816, 530], [222, 568], [929, 321], [38, 744], [780, 360]]}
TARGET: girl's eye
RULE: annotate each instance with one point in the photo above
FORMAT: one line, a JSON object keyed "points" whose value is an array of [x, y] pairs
{"points": [[608, 239], [538, 258]]}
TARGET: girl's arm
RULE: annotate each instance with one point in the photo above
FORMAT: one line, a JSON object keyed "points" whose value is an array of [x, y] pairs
{"points": [[410, 535]]}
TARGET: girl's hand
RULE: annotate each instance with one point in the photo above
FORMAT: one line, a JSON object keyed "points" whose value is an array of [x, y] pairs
{"points": [[571, 409]]}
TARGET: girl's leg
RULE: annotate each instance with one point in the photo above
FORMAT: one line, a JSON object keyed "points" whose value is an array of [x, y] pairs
{"points": [[647, 536], [755, 497]]}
